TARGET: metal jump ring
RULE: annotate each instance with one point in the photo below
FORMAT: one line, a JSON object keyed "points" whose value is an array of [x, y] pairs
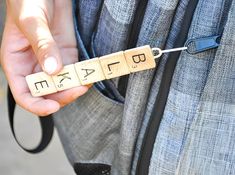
{"points": [[158, 51]]}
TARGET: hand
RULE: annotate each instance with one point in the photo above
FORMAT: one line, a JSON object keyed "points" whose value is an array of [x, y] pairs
{"points": [[38, 35]]}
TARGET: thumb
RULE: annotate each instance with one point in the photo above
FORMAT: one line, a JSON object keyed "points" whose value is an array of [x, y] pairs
{"points": [[37, 31]]}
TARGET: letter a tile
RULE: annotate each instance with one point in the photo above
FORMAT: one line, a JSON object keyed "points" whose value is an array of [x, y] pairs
{"points": [[40, 84], [114, 65], [89, 71], [140, 58], [67, 78]]}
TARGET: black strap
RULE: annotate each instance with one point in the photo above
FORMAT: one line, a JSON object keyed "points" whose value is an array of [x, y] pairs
{"points": [[47, 126]]}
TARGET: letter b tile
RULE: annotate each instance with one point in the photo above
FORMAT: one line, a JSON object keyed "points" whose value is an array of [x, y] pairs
{"points": [[40, 84], [114, 65], [140, 58]]}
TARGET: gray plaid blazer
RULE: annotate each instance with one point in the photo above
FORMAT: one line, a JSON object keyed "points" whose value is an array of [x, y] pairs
{"points": [[197, 130]]}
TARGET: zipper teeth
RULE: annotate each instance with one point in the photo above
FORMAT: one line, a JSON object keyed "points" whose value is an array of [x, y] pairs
{"points": [[137, 23], [159, 105], [133, 39], [226, 10]]}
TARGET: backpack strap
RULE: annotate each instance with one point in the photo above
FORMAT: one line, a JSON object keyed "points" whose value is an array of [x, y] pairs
{"points": [[47, 126]]}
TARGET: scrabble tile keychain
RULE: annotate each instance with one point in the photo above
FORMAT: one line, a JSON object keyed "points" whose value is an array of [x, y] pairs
{"points": [[97, 69]]}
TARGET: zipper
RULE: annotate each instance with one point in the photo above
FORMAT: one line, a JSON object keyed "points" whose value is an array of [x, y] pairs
{"points": [[137, 23], [159, 105], [133, 38], [194, 46], [199, 45]]}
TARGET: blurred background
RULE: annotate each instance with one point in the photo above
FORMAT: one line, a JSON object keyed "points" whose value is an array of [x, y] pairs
{"points": [[13, 160]]}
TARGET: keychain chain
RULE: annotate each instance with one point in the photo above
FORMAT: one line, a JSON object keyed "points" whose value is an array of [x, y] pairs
{"points": [[109, 66], [158, 52], [193, 46]]}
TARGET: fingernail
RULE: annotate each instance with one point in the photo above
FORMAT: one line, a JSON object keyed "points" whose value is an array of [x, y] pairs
{"points": [[50, 65]]}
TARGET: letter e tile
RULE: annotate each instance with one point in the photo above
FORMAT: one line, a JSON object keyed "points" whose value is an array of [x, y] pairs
{"points": [[40, 84]]}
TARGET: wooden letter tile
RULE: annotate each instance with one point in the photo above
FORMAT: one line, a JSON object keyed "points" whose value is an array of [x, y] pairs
{"points": [[114, 65], [89, 71], [140, 58], [40, 84], [67, 78]]}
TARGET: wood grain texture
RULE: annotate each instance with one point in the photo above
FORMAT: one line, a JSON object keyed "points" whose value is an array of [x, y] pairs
{"points": [[40, 84], [140, 58], [89, 71], [67, 78], [114, 65], [93, 70]]}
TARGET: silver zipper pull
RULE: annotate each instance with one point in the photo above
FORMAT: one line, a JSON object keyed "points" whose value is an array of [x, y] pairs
{"points": [[157, 52]]}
